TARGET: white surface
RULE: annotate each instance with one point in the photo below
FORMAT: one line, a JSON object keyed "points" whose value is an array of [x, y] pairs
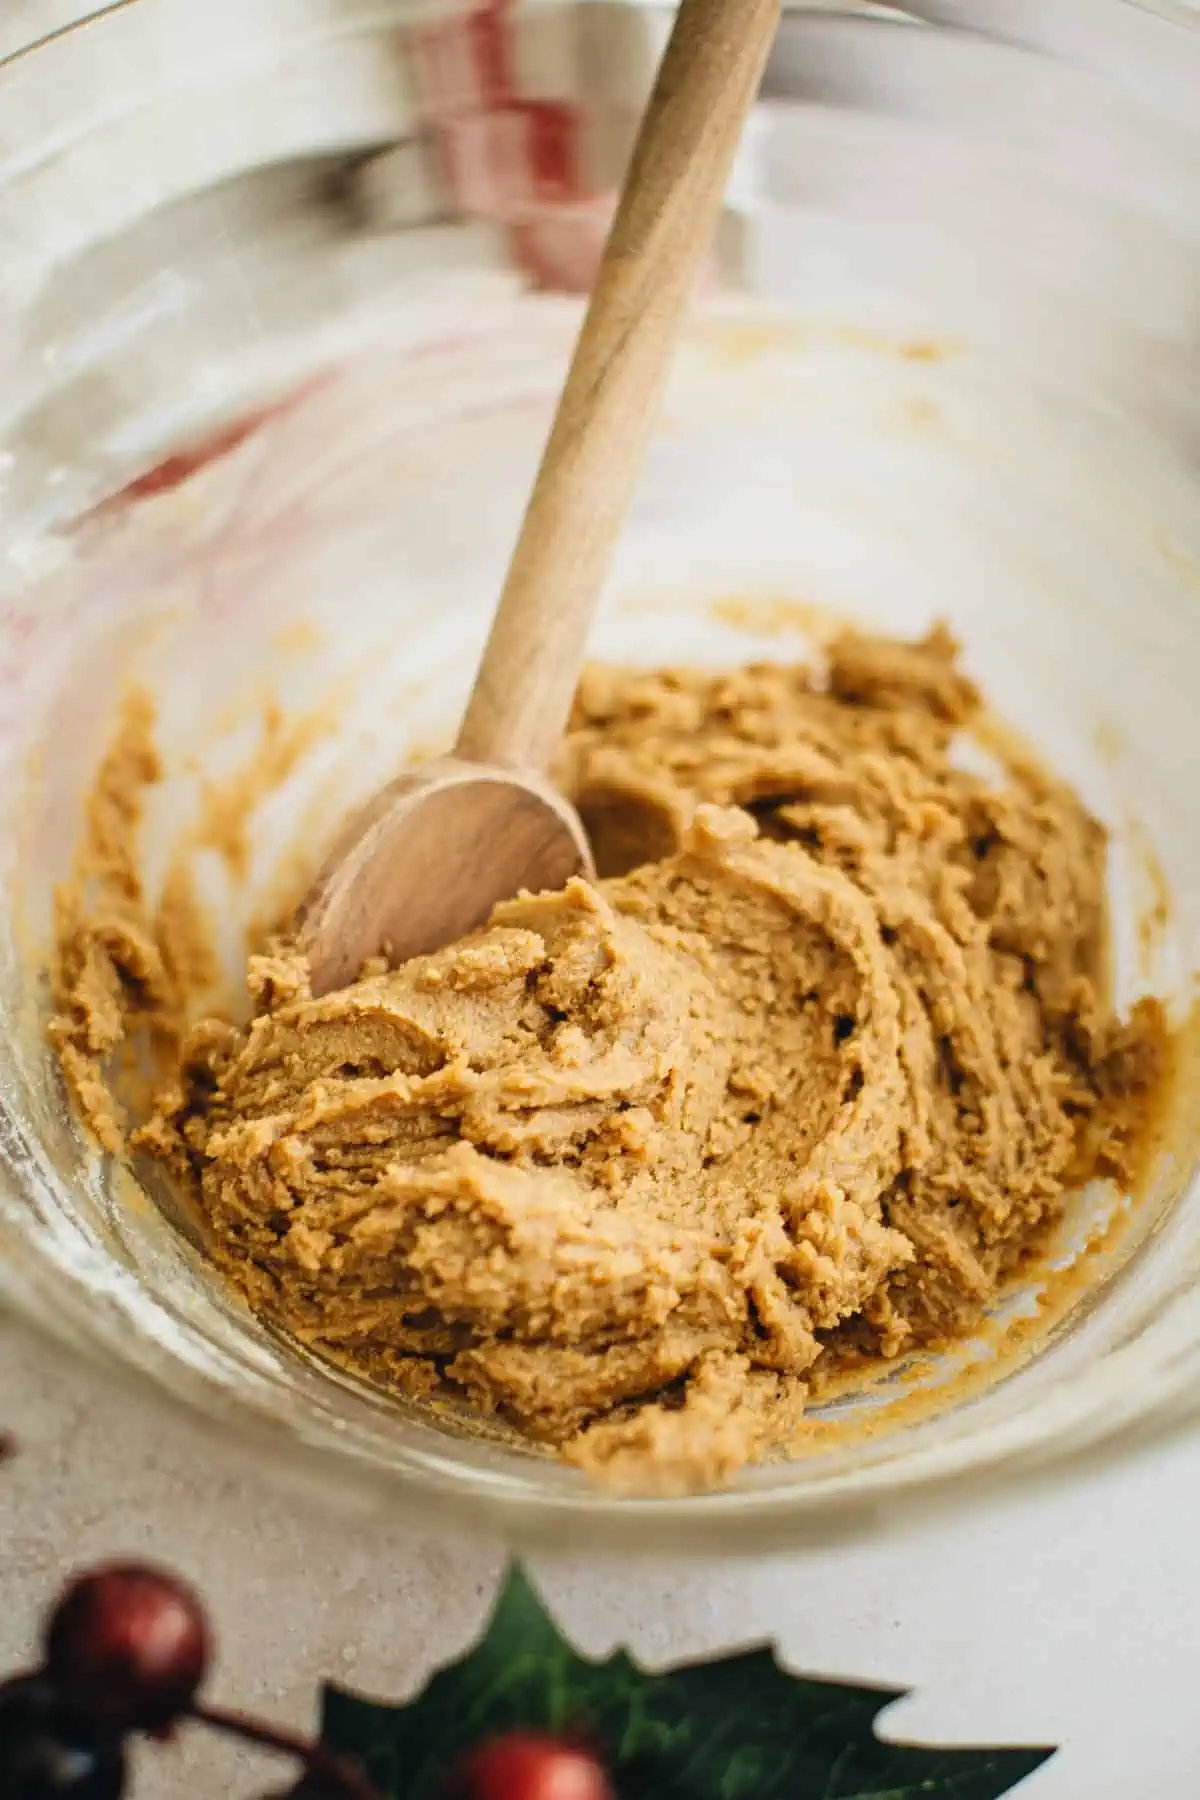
{"points": [[1069, 1616]]}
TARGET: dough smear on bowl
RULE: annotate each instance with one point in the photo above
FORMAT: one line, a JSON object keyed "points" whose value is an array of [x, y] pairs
{"points": [[806, 1077]]}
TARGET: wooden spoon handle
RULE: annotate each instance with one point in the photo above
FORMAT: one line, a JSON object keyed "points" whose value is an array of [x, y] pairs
{"points": [[709, 77]]}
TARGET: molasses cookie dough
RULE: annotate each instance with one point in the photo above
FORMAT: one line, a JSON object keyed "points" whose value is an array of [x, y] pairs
{"points": [[805, 1077]]}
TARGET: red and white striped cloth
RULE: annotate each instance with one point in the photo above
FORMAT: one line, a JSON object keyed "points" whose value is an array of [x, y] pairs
{"points": [[496, 81]]}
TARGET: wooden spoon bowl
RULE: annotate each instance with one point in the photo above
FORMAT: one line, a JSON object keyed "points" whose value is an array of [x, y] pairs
{"points": [[430, 858]]}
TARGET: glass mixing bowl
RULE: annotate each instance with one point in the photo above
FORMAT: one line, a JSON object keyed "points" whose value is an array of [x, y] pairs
{"points": [[275, 383]]}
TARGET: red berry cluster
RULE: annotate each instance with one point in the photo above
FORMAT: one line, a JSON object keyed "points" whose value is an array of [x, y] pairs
{"points": [[125, 1652]]}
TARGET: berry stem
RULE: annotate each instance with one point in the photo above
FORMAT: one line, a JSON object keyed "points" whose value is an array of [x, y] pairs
{"points": [[326, 1765]]}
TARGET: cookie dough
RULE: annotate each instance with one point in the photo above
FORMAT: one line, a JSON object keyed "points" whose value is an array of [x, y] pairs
{"points": [[804, 1079]]}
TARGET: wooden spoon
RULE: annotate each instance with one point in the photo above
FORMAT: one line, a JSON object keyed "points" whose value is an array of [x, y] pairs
{"points": [[429, 858]]}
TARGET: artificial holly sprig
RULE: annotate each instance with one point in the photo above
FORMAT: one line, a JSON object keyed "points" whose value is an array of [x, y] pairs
{"points": [[125, 1653], [127, 1648]]}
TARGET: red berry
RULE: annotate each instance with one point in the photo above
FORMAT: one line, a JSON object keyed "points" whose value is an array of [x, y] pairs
{"points": [[127, 1647], [530, 1765]]}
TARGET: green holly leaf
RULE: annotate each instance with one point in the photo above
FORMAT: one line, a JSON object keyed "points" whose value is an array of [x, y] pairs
{"points": [[740, 1728]]}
